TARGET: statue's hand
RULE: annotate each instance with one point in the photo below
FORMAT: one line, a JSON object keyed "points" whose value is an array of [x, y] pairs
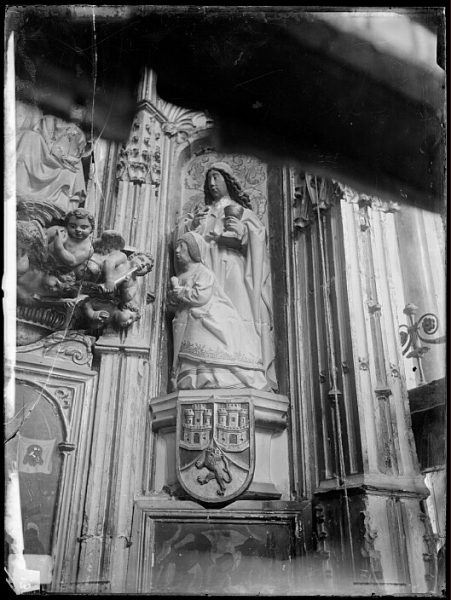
{"points": [[199, 218], [175, 295], [61, 236], [109, 286], [233, 224]]}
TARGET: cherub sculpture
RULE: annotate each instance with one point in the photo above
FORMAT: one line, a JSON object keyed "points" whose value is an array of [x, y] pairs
{"points": [[114, 275]]}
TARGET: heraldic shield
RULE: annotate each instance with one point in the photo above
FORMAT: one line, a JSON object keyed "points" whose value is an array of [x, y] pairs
{"points": [[215, 453]]}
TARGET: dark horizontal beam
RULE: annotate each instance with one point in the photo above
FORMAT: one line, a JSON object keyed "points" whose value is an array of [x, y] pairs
{"points": [[279, 83]]}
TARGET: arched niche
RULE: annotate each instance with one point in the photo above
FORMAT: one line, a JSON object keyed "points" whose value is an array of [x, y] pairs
{"points": [[40, 437], [263, 182]]}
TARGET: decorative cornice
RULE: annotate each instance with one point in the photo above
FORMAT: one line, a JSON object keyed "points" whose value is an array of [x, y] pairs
{"points": [[366, 201]]}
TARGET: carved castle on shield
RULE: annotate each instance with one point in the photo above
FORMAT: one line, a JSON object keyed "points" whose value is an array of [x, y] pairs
{"points": [[215, 457]]}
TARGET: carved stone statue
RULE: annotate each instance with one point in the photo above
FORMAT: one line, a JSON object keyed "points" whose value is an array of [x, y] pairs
{"points": [[109, 298], [49, 163], [64, 277], [213, 348], [237, 254], [70, 247]]}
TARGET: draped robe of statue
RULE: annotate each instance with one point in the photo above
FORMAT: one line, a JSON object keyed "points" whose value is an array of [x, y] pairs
{"points": [[49, 164], [212, 347], [244, 275]]}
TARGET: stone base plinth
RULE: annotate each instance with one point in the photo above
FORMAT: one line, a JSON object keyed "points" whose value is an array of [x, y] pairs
{"points": [[268, 433]]}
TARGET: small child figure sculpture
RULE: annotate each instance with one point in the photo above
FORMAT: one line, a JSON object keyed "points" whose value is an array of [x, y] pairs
{"points": [[211, 347], [71, 246]]}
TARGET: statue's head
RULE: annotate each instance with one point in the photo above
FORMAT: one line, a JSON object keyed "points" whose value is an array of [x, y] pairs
{"points": [[219, 181], [143, 261], [80, 223], [188, 248], [126, 317]]}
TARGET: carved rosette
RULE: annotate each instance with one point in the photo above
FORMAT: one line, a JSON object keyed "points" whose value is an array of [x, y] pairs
{"points": [[140, 159]]}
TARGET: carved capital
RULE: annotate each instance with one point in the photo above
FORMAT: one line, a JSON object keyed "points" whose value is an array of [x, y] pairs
{"points": [[66, 447]]}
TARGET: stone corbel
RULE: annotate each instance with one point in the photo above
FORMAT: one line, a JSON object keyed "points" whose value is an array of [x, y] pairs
{"points": [[268, 418]]}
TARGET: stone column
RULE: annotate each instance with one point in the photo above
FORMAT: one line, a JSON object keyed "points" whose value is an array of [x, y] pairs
{"points": [[390, 488], [115, 470], [134, 200]]}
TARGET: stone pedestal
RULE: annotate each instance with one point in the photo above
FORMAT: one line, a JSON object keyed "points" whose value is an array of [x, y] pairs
{"points": [[271, 476]]}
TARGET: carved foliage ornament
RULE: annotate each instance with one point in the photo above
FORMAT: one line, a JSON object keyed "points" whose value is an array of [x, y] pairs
{"points": [[71, 345], [215, 448], [310, 194], [140, 159], [366, 201]]}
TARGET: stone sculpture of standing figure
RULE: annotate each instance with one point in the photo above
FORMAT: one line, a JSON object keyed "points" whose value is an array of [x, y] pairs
{"points": [[238, 256]]}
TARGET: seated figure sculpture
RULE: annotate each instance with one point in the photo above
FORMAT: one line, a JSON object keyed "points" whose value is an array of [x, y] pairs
{"points": [[49, 163], [212, 349]]}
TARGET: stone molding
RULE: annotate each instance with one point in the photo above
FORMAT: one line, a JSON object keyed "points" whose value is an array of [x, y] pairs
{"points": [[71, 346]]}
